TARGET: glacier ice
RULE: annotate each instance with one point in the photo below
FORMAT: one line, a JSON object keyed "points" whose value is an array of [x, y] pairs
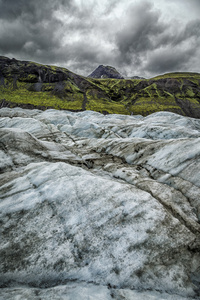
{"points": [[99, 207]]}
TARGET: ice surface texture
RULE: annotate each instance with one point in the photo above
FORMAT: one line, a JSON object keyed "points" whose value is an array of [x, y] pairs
{"points": [[99, 207]]}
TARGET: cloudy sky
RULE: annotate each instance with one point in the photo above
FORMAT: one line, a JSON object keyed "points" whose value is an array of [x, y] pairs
{"points": [[138, 37]]}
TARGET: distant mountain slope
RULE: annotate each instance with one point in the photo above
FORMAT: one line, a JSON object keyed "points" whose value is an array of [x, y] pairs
{"points": [[105, 72], [32, 85], [29, 84], [175, 92], [135, 77]]}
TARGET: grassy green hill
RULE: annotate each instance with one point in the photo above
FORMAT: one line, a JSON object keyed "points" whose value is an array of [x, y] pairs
{"points": [[29, 85]]}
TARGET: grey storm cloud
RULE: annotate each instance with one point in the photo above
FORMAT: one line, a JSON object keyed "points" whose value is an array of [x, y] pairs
{"points": [[191, 30], [30, 10], [127, 34], [139, 31], [30, 28], [175, 50], [165, 46], [194, 4], [164, 60]]}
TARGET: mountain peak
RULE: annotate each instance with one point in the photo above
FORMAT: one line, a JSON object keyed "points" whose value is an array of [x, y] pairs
{"points": [[105, 72]]}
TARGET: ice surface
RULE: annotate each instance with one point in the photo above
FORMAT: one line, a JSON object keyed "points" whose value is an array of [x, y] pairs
{"points": [[99, 207], [77, 291]]}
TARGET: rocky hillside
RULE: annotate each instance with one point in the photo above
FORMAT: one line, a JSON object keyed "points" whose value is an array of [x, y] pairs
{"points": [[30, 85], [99, 207], [105, 72]]}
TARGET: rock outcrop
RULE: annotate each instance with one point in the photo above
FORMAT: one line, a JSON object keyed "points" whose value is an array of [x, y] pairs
{"points": [[105, 72], [99, 207]]}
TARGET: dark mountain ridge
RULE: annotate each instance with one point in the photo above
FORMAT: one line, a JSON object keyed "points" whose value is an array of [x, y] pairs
{"points": [[105, 72]]}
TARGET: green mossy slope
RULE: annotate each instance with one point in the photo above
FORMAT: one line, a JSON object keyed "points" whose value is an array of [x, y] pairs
{"points": [[175, 92], [29, 84]]}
